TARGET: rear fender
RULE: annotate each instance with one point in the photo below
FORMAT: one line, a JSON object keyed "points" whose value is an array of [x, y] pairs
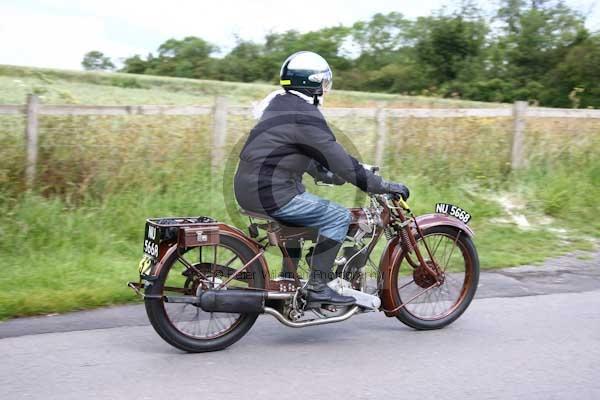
{"points": [[224, 230]]}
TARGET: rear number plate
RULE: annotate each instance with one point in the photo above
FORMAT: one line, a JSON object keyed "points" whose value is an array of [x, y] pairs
{"points": [[453, 211], [151, 242]]}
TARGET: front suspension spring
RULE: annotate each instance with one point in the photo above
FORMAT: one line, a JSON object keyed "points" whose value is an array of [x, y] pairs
{"points": [[389, 233], [405, 239]]}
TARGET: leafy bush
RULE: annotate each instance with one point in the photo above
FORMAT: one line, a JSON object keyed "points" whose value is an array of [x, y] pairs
{"points": [[126, 82]]}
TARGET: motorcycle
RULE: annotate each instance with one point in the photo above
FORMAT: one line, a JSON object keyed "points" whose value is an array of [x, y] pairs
{"points": [[204, 282]]}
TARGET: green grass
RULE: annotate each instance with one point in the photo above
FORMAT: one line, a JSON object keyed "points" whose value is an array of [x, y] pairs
{"points": [[61, 257], [75, 240]]}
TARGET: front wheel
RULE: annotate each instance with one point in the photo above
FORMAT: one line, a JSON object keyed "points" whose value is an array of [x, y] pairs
{"points": [[434, 307]]}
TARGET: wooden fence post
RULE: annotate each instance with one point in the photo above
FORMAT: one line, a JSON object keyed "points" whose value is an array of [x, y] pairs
{"points": [[31, 140], [381, 116], [517, 159], [219, 131]]}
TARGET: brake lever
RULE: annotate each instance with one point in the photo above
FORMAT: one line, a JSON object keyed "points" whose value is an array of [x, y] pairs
{"points": [[403, 204]]}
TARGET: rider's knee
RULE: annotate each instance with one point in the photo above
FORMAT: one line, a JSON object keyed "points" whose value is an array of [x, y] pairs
{"points": [[347, 218]]}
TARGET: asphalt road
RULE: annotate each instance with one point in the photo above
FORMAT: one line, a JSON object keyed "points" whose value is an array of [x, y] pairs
{"points": [[540, 342]]}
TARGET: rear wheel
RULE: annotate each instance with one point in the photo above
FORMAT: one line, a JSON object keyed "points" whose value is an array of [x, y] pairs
{"points": [[437, 306], [188, 327]]}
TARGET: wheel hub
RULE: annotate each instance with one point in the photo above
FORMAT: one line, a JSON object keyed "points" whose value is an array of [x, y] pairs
{"points": [[423, 278], [193, 285]]}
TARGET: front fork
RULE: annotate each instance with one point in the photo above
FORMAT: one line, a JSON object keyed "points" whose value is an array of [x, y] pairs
{"points": [[409, 243]]}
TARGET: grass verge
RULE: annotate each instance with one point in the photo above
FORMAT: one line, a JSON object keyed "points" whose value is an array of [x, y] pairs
{"points": [[59, 257]]}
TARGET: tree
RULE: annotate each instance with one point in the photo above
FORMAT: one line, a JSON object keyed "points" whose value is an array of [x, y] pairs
{"points": [[537, 36], [578, 73], [446, 43], [243, 63], [135, 65], [383, 33], [96, 61], [187, 58]]}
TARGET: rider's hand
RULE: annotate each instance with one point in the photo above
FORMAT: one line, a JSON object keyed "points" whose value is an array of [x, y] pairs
{"points": [[397, 189]]}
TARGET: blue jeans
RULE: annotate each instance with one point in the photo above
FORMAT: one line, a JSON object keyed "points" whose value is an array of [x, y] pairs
{"points": [[331, 219]]}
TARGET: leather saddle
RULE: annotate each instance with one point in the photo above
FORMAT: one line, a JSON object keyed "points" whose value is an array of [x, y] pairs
{"points": [[279, 232], [256, 215]]}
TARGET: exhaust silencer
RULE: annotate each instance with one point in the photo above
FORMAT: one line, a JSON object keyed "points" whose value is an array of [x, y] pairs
{"points": [[233, 301]]}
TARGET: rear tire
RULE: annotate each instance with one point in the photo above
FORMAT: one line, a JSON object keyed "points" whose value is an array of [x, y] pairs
{"points": [[410, 314], [174, 335]]}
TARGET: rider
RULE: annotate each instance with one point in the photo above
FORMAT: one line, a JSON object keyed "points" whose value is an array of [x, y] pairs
{"points": [[291, 138]]}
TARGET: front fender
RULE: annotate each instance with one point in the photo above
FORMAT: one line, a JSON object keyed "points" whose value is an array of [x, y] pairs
{"points": [[428, 220], [389, 258]]}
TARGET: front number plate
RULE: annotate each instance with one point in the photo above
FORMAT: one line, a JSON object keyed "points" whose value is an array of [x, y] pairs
{"points": [[453, 211]]}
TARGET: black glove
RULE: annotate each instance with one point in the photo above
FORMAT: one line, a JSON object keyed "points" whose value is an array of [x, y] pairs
{"points": [[397, 189]]}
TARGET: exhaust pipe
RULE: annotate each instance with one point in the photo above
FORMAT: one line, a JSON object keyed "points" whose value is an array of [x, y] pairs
{"points": [[253, 301], [233, 301]]}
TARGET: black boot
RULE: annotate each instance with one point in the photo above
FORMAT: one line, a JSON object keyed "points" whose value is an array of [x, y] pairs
{"points": [[321, 263], [290, 265]]}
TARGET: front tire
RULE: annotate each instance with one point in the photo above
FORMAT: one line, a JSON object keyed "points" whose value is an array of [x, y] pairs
{"points": [[186, 326], [455, 253]]}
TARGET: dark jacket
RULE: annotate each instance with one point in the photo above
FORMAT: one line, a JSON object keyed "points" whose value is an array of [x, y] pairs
{"points": [[291, 138]]}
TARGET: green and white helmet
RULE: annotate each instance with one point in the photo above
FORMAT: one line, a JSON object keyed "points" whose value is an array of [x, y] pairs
{"points": [[306, 72]]}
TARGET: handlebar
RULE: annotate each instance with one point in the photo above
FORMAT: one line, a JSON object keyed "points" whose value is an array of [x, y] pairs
{"points": [[389, 198], [383, 198]]}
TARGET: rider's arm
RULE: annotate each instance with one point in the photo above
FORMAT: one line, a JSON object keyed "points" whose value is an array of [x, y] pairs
{"points": [[322, 174], [317, 141]]}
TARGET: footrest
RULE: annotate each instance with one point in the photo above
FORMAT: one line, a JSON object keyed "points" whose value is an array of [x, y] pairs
{"points": [[137, 287]]}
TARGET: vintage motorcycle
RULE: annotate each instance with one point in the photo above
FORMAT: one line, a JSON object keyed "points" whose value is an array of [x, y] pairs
{"points": [[205, 283]]}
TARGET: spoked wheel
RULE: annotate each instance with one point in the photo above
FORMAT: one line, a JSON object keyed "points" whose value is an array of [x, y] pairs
{"points": [[437, 305], [188, 327]]}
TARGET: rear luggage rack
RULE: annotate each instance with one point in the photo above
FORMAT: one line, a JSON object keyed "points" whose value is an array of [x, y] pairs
{"points": [[168, 228], [161, 233], [180, 221]]}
